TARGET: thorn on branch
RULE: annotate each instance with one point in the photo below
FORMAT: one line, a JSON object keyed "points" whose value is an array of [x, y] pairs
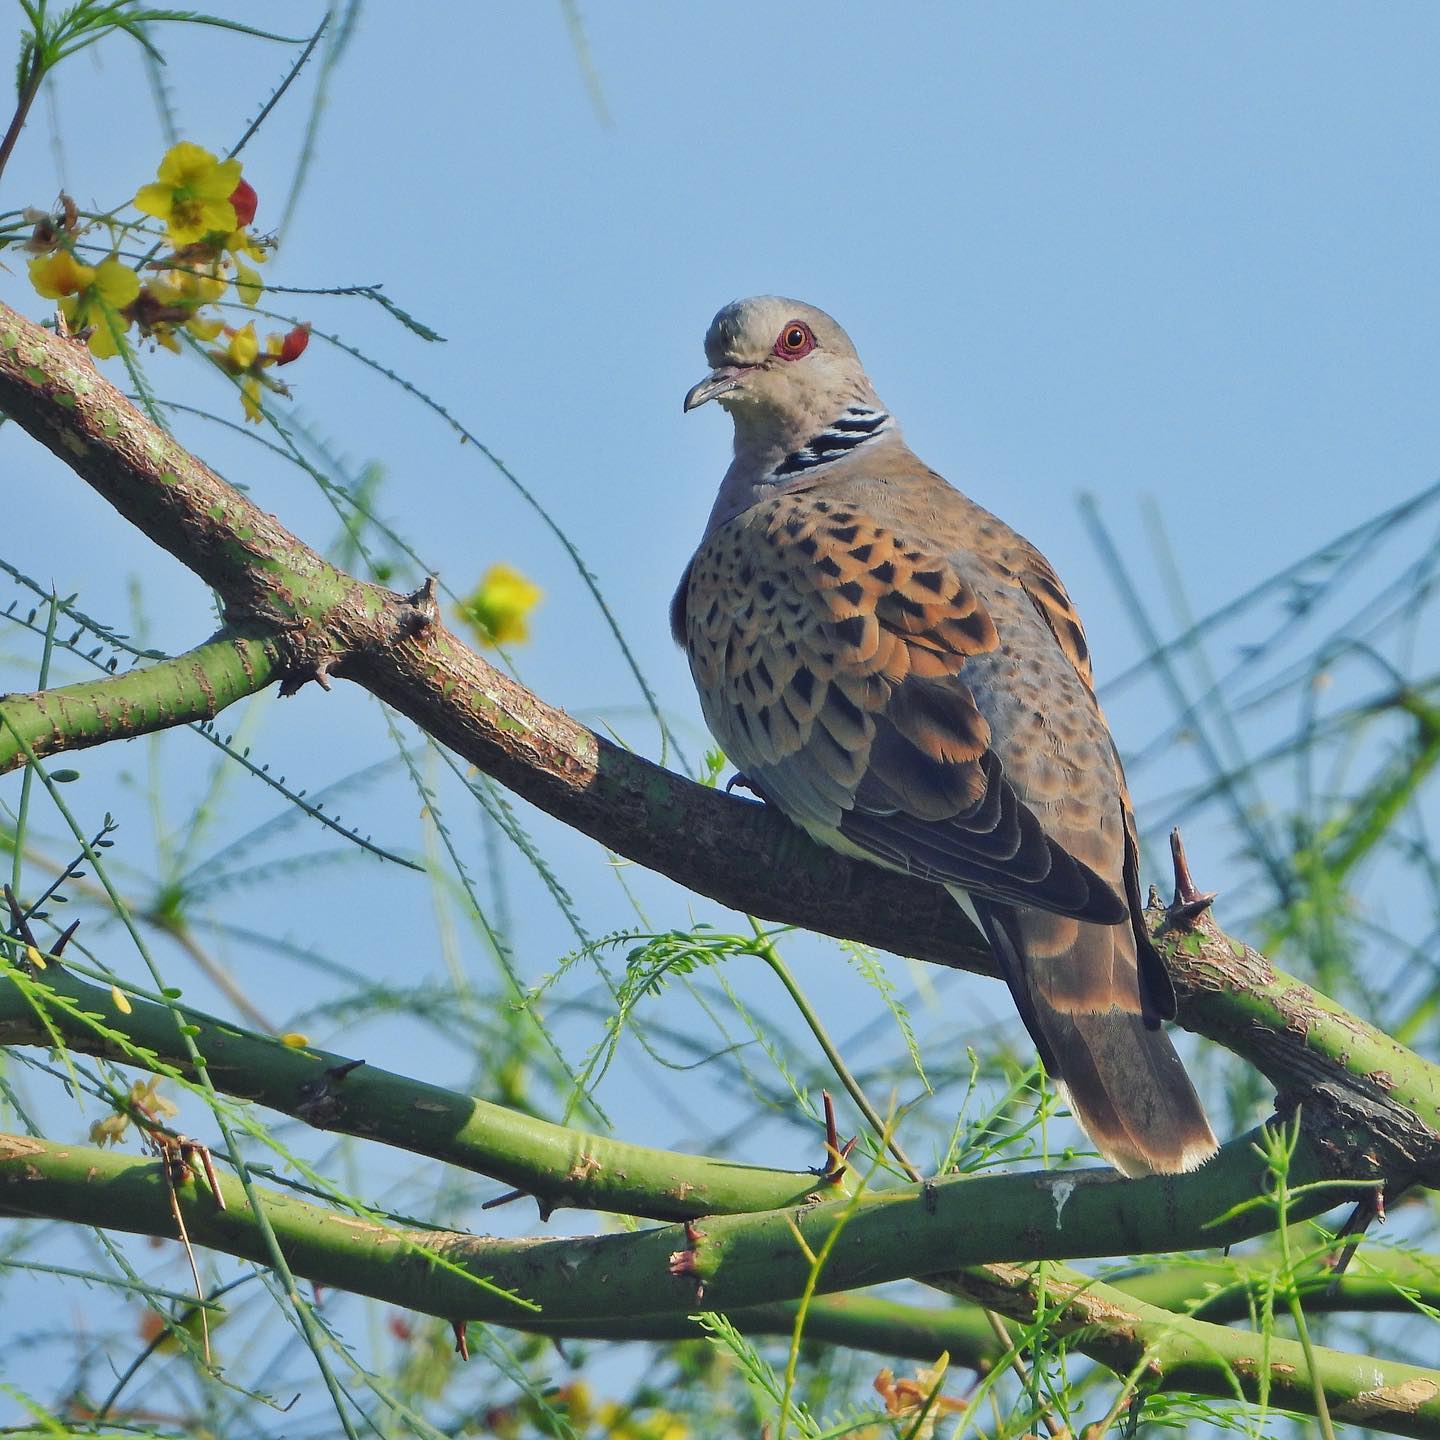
{"points": [[35, 952], [462, 1344], [1190, 902], [318, 1103], [1369, 1210], [179, 1153], [545, 1208], [836, 1154], [304, 671]]}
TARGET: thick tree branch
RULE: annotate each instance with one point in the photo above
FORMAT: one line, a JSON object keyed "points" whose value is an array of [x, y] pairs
{"points": [[627, 1272]]}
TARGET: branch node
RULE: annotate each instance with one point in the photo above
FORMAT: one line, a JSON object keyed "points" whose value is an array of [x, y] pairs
{"points": [[419, 612], [306, 670], [684, 1262]]}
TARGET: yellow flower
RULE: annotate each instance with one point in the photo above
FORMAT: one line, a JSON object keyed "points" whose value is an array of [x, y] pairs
{"points": [[144, 1095], [498, 610], [94, 296], [247, 360], [191, 194], [59, 274], [102, 306], [109, 1131]]}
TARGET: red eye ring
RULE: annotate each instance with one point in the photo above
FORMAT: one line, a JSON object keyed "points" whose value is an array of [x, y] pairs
{"points": [[794, 341]]}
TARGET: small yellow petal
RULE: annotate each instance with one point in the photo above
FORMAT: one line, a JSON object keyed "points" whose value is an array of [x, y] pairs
{"points": [[244, 347], [294, 1039], [217, 214], [121, 999], [218, 183], [59, 274], [155, 199], [34, 957], [248, 284], [184, 163], [102, 342], [117, 283], [250, 400]]}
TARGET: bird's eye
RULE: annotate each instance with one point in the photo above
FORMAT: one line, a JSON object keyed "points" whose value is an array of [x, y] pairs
{"points": [[794, 341]]}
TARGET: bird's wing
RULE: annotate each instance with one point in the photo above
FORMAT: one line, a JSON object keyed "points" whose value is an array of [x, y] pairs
{"points": [[1033, 573], [830, 653]]}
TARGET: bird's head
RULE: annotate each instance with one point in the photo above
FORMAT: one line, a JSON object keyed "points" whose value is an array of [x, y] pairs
{"points": [[783, 369]]}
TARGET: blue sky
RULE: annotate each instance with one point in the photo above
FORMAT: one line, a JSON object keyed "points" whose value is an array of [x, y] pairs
{"points": [[1164, 253]]}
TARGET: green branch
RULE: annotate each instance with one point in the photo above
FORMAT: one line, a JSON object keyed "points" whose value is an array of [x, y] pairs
{"points": [[431, 1271], [559, 1166], [750, 1259], [1222, 1291], [197, 685], [1360, 1091], [1178, 1353], [1379, 1279]]}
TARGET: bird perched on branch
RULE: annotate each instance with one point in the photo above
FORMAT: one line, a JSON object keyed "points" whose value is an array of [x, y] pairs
{"points": [[904, 676]]}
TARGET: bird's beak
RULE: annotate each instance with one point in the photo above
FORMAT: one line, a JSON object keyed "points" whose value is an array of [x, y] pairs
{"points": [[717, 382]]}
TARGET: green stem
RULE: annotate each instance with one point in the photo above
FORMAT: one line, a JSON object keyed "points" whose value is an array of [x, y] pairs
{"points": [[884, 1133], [29, 90], [197, 685], [27, 781]]}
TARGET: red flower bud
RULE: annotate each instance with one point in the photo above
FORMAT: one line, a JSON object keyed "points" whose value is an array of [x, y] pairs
{"points": [[245, 200], [293, 345]]}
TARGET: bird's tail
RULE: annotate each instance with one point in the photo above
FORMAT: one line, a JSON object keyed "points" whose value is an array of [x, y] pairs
{"points": [[1094, 1016]]}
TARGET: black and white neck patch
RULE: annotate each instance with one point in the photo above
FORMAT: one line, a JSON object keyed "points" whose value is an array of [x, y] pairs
{"points": [[856, 426]]}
